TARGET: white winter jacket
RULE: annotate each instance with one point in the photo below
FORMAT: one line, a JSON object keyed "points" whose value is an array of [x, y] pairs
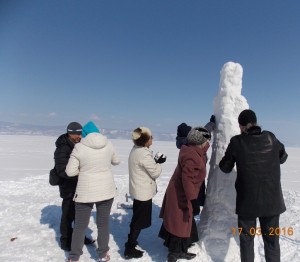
{"points": [[91, 160], [143, 171]]}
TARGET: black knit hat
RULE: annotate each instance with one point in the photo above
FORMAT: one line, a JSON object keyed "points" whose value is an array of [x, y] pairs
{"points": [[183, 129], [74, 128], [247, 116]]}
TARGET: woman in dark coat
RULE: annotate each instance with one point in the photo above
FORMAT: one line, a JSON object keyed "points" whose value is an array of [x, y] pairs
{"points": [[181, 194]]}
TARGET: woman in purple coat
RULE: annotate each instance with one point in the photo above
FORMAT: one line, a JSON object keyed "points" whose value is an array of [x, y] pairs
{"points": [[181, 195]]}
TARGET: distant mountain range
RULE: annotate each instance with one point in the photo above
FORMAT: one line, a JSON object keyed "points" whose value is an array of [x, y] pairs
{"points": [[7, 128]]}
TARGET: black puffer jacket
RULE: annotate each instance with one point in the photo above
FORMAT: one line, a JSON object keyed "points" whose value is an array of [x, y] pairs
{"points": [[64, 147], [258, 156]]}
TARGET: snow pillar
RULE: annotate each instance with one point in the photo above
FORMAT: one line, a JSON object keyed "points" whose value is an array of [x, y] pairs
{"points": [[218, 215]]}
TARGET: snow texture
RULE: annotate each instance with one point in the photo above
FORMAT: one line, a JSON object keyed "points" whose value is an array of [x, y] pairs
{"points": [[218, 215]]}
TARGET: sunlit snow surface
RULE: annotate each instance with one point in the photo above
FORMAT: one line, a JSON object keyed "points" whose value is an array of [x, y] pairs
{"points": [[30, 207]]}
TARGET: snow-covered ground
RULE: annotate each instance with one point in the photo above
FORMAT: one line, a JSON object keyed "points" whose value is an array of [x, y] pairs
{"points": [[30, 207]]}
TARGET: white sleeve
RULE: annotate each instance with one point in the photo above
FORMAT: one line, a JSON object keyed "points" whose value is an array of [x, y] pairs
{"points": [[72, 168], [152, 168], [115, 160]]}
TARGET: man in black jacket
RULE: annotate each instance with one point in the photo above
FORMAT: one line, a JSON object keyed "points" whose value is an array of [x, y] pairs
{"points": [[67, 187], [257, 155]]}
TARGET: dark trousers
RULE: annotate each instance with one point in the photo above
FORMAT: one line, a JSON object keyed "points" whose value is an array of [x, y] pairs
{"points": [[201, 195], [267, 232], [141, 218], [67, 219]]}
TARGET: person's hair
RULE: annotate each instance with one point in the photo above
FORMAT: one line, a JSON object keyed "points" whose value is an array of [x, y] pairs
{"points": [[247, 116], [141, 135]]}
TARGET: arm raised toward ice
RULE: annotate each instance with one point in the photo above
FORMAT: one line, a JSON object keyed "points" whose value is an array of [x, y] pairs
{"points": [[228, 161]]}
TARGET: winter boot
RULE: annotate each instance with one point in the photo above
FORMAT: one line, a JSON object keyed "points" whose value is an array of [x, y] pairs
{"points": [[172, 257], [186, 255], [132, 252]]}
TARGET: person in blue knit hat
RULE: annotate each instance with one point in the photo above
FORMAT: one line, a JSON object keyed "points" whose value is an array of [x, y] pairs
{"points": [[91, 161]]}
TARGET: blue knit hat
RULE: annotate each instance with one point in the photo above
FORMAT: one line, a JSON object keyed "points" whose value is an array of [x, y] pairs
{"points": [[88, 128]]}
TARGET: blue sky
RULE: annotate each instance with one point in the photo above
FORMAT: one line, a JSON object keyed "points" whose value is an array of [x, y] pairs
{"points": [[155, 63]]}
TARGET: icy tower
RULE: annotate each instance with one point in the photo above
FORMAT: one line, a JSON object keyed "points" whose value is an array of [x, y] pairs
{"points": [[218, 216]]}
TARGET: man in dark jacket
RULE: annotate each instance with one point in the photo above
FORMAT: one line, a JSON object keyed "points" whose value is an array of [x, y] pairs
{"points": [[67, 187], [257, 155]]}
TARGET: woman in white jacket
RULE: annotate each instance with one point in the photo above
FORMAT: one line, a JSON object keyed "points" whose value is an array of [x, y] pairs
{"points": [[91, 161], [143, 172]]}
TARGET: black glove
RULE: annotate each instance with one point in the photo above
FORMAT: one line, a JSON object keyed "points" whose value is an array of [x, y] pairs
{"points": [[212, 119], [196, 207], [160, 158]]}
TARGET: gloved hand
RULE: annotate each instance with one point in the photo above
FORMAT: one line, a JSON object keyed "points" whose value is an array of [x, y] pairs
{"points": [[160, 158], [212, 119], [196, 207]]}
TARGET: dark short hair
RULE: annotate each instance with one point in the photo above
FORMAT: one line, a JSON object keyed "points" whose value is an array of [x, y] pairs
{"points": [[247, 116]]}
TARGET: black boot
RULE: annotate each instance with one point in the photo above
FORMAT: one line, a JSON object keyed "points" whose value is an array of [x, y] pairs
{"points": [[130, 250], [187, 255], [173, 256]]}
